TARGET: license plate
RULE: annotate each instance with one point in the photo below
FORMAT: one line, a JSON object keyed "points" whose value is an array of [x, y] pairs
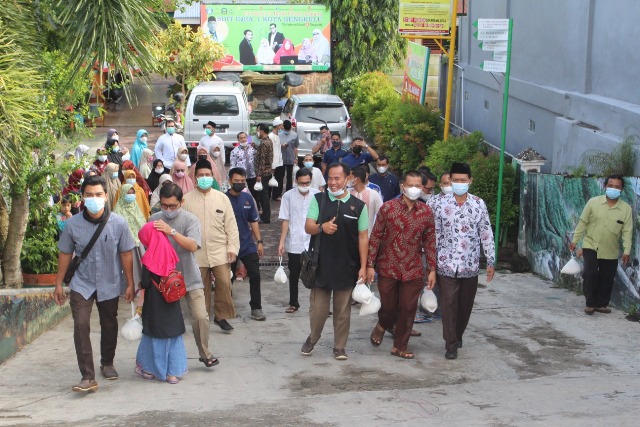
{"points": [[221, 130], [315, 136]]}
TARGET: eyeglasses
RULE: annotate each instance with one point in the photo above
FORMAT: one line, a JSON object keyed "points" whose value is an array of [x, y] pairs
{"points": [[304, 184], [169, 207]]}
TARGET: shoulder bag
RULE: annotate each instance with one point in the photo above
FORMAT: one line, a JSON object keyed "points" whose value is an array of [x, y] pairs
{"points": [[309, 260], [171, 286], [75, 262]]}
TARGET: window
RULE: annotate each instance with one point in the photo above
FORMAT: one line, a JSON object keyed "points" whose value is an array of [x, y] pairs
{"points": [[532, 126], [216, 105], [486, 104], [318, 113]]}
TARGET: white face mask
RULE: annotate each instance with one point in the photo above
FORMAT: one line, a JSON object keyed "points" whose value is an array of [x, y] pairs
{"points": [[215, 154], [131, 181], [243, 144], [336, 193], [424, 196], [303, 190], [183, 157], [102, 158], [412, 193], [159, 170], [447, 189], [144, 139], [115, 137], [126, 157], [382, 169]]}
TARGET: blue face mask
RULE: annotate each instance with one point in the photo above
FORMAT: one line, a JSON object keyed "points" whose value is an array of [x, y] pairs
{"points": [[94, 204], [115, 148], [460, 189], [613, 193], [129, 198], [114, 175], [171, 130], [308, 165], [205, 182]]}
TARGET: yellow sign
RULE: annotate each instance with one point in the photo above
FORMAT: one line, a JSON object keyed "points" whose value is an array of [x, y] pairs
{"points": [[425, 17]]}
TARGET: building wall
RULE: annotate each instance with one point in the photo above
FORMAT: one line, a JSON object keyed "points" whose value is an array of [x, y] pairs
{"points": [[574, 73]]}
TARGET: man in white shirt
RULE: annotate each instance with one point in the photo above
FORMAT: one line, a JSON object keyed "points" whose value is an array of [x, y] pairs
{"points": [[371, 198], [293, 238], [277, 155], [210, 140], [317, 180], [167, 146]]}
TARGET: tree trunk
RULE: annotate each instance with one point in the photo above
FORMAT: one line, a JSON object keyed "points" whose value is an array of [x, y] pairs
{"points": [[4, 223], [13, 246]]}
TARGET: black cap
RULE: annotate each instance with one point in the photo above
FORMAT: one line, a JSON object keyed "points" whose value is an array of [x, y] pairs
{"points": [[210, 123], [202, 164]]}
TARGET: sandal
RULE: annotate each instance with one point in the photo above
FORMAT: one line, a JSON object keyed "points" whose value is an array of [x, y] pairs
{"points": [[402, 354], [376, 335], [211, 361], [413, 332], [143, 374], [292, 309], [172, 380]]}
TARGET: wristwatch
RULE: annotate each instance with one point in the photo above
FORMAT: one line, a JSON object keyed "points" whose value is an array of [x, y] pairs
{"points": [[259, 242], [173, 232], [319, 228]]}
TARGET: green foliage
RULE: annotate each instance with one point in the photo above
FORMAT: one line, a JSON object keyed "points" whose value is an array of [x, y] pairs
{"points": [[454, 149], [372, 92], [39, 251], [578, 171], [620, 161]]}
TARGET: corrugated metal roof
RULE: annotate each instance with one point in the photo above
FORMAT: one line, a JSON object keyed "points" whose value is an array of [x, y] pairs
{"points": [[190, 12]]}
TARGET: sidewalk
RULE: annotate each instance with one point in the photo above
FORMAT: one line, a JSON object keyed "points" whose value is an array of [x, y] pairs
{"points": [[530, 357]]}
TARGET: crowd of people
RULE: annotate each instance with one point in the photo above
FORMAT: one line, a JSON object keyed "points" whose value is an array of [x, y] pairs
{"points": [[154, 211]]}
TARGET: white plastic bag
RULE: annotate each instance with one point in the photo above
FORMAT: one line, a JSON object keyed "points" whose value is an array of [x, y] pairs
{"points": [[372, 307], [258, 186], [428, 301], [280, 277], [572, 267], [361, 293], [132, 330], [273, 182]]}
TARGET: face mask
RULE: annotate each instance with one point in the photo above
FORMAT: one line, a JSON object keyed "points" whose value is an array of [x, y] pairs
{"points": [[205, 182], [215, 154], [357, 150], [412, 193], [303, 190], [447, 189], [131, 181], [114, 175], [94, 204], [129, 198], [180, 174], [243, 144], [336, 193], [159, 170], [351, 184], [115, 148], [208, 132], [170, 214], [613, 193], [424, 196], [102, 158], [460, 189], [115, 137], [336, 143], [144, 139], [81, 181], [171, 130], [238, 187], [183, 157], [382, 169], [202, 157], [126, 157], [308, 165]]}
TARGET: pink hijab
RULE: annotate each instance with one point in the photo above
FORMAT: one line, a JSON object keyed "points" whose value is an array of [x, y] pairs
{"points": [[185, 182], [160, 257], [283, 51]]}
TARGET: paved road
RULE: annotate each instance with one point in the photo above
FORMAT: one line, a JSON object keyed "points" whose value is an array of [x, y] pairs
{"points": [[530, 358]]}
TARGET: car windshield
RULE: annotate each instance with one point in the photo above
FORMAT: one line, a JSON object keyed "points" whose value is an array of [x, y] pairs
{"points": [[328, 113], [216, 105]]}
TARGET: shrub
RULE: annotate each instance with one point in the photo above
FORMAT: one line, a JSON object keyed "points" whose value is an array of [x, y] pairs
{"points": [[621, 160], [454, 149], [371, 93]]}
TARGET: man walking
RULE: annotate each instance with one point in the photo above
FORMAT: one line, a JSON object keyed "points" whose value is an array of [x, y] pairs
{"points": [[403, 229], [183, 230], [342, 230], [168, 144], [361, 154], [605, 220], [334, 155], [220, 243], [98, 278], [462, 225], [250, 251], [388, 182], [293, 239], [277, 166], [359, 190], [289, 147], [264, 160], [243, 157]]}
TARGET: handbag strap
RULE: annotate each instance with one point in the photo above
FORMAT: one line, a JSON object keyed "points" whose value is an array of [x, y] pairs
{"points": [[316, 245], [95, 236]]}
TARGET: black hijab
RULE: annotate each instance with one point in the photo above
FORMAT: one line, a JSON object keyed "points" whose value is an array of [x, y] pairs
{"points": [[154, 178]]}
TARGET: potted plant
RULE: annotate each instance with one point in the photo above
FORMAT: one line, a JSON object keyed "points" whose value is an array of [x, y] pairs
{"points": [[39, 256]]}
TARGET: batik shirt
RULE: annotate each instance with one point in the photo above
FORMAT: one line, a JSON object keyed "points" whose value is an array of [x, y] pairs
{"points": [[460, 229], [244, 158]]}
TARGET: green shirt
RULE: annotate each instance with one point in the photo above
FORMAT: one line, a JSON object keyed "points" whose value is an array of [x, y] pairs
{"points": [[602, 226], [314, 211]]}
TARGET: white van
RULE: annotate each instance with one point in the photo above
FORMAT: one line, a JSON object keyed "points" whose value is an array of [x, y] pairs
{"points": [[224, 103]]}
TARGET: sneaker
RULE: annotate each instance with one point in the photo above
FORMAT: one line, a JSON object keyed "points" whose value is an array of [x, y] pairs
{"points": [[340, 354], [307, 348], [86, 386], [422, 318], [224, 325], [451, 355], [589, 310], [109, 372], [257, 314]]}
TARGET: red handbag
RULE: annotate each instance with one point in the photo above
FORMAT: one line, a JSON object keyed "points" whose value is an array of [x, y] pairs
{"points": [[171, 286]]}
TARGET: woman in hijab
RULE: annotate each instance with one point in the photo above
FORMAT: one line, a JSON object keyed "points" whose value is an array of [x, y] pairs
{"points": [[183, 155], [129, 210], [203, 155], [180, 177], [217, 161], [141, 197], [113, 134], [145, 163], [155, 197], [81, 152], [286, 50], [101, 160], [265, 53], [74, 182], [128, 166], [113, 151], [154, 177], [307, 52], [113, 184], [138, 146], [161, 353], [321, 46]]}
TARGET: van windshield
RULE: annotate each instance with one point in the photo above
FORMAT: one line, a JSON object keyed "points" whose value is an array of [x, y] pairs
{"points": [[328, 113], [215, 105]]}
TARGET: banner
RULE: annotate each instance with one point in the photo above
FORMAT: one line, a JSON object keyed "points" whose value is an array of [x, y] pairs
{"points": [[425, 17], [415, 72], [270, 37]]}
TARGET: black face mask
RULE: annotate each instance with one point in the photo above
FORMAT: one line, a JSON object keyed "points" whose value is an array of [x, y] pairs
{"points": [[202, 157], [336, 143], [238, 186], [357, 150]]}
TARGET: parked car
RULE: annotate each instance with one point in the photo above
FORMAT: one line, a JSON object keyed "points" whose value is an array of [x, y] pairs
{"points": [[225, 103], [311, 111]]}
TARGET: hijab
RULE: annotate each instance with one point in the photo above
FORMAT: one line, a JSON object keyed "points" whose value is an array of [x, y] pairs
{"points": [[130, 212], [73, 183], [97, 163], [214, 170], [185, 182], [307, 52], [154, 177], [128, 165], [138, 147], [141, 198], [110, 133], [81, 151], [113, 156], [155, 197], [113, 184], [265, 53], [322, 46], [145, 163], [160, 257], [283, 51]]}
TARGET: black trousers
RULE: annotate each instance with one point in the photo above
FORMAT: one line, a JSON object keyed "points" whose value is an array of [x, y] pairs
{"points": [[252, 263], [458, 295], [263, 199], [598, 276], [294, 277], [250, 183], [279, 174]]}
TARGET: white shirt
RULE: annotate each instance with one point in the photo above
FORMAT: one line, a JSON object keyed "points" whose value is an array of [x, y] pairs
{"points": [[294, 208], [207, 142], [373, 200], [317, 180], [277, 153], [166, 149]]}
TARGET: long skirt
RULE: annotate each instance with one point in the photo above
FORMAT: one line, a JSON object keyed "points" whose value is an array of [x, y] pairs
{"points": [[162, 357]]}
